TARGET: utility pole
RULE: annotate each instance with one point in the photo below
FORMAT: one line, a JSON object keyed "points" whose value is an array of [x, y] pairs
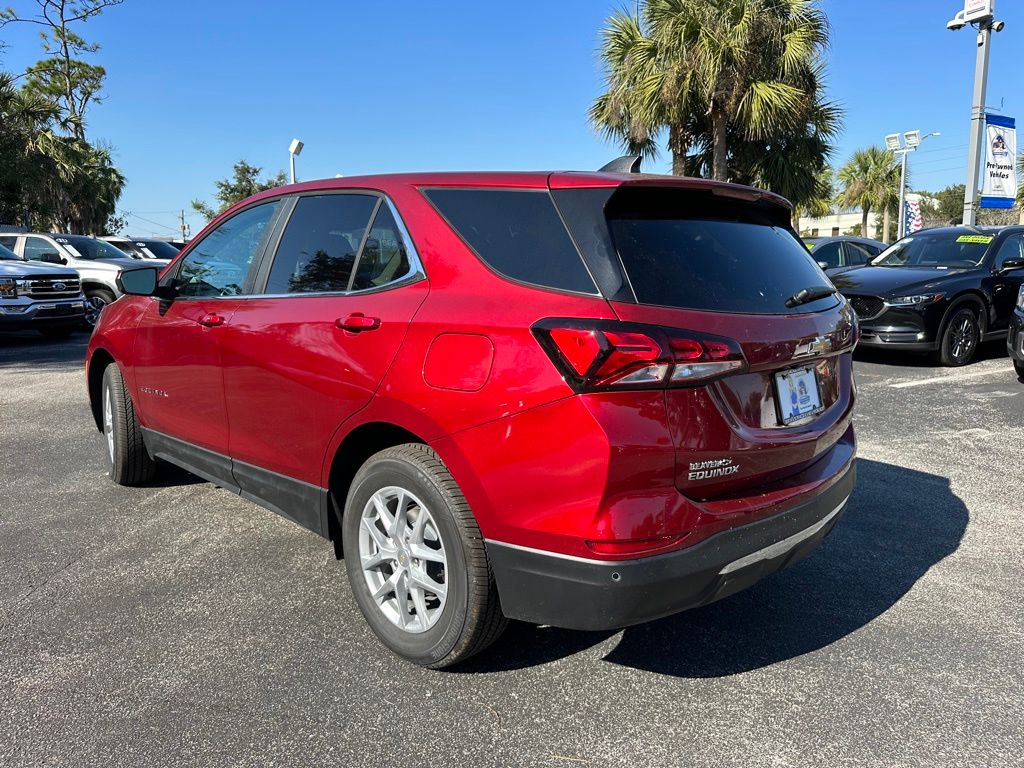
{"points": [[184, 226]]}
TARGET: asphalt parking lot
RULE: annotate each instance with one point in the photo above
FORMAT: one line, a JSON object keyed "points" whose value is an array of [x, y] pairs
{"points": [[180, 625]]}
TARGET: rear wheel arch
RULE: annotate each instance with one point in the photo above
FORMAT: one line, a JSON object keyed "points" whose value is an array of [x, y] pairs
{"points": [[358, 445]]}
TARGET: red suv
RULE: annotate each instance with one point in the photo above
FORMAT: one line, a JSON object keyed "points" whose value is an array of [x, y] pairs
{"points": [[580, 399]]}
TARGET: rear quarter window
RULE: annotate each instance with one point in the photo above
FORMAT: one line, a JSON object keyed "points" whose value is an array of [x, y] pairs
{"points": [[517, 233]]}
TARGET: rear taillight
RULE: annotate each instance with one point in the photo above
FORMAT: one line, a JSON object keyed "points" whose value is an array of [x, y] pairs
{"points": [[606, 354]]}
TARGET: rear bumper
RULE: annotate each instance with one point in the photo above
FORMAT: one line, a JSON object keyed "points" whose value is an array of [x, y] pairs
{"points": [[576, 593]]}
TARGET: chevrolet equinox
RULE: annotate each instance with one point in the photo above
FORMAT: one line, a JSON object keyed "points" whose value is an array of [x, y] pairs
{"points": [[587, 400]]}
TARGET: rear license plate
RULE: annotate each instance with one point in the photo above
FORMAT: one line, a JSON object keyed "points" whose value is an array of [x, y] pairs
{"points": [[798, 393]]}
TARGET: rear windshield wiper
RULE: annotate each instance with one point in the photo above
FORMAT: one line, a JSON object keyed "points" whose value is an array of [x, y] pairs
{"points": [[807, 295]]}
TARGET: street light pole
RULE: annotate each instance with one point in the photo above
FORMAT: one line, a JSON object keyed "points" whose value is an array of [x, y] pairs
{"points": [[294, 150], [977, 122], [901, 224]]}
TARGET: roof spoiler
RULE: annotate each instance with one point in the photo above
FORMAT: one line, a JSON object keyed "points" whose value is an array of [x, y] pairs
{"points": [[624, 164]]}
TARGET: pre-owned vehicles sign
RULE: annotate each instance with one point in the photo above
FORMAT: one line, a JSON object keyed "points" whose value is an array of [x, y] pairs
{"points": [[1000, 183]]}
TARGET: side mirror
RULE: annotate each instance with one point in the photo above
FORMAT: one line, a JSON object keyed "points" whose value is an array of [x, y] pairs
{"points": [[138, 282], [1011, 264], [823, 264], [52, 257]]}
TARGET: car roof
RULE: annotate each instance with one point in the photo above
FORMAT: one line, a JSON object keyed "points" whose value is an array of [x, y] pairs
{"points": [[525, 180]]}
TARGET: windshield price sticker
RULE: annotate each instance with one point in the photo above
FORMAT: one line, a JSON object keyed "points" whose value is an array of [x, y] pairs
{"points": [[984, 239]]}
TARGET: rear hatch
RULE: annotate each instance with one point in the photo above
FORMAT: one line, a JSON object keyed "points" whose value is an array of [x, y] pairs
{"points": [[721, 262]]}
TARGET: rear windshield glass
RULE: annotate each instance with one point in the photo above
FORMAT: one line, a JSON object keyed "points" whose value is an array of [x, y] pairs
{"points": [[719, 255], [517, 233], [949, 249]]}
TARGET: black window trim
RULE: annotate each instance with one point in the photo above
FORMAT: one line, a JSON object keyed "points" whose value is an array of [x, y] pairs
{"points": [[544, 190], [415, 274], [171, 275]]}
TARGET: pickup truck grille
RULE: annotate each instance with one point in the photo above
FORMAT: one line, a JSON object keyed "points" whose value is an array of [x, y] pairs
{"points": [[51, 287], [866, 307]]}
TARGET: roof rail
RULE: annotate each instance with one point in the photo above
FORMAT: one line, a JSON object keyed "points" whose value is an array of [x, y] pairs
{"points": [[624, 164]]}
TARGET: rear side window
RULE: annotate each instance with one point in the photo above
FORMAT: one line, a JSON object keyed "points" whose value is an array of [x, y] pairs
{"points": [[517, 233], [8, 242], [320, 243], [709, 253], [384, 258]]}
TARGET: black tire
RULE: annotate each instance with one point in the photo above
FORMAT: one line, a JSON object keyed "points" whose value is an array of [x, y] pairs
{"points": [[960, 338], [1018, 366], [128, 461], [95, 300], [59, 332], [470, 618]]}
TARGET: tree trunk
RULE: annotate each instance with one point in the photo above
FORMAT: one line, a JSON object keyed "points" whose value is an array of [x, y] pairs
{"points": [[864, 221], [720, 163], [678, 144], [886, 221]]}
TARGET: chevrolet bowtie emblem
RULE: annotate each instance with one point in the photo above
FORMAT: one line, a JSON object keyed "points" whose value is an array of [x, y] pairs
{"points": [[817, 346]]}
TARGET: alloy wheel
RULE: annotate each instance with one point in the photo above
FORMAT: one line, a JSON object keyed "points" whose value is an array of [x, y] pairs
{"points": [[93, 306], [964, 338], [403, 559], [108, 423]]}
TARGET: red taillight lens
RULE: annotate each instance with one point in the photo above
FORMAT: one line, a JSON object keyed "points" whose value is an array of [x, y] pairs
{"points": [[605, 354]]}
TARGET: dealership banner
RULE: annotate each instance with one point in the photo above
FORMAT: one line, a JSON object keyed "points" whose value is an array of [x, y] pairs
{"points": [[1000, 186]]}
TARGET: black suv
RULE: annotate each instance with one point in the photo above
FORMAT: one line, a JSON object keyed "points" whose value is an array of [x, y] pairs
{"points": [[939, 290]]}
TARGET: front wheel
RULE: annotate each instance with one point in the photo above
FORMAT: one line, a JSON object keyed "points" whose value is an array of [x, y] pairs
{"points": [[416, 560], [95, 300], [961, 338], [128, 461]]}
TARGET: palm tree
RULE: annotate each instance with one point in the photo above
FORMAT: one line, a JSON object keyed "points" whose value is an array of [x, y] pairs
{"points": [[737, 81], [867, 181]]}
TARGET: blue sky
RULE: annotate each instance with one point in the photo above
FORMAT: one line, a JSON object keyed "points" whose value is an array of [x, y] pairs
{"points": [[378, 87]]}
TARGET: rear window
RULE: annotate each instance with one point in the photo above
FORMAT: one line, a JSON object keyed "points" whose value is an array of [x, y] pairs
{"points": [[517, 233], [696, 251]]}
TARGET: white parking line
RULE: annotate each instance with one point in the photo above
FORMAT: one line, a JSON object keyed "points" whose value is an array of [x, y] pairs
{"points": [[951, 378]]}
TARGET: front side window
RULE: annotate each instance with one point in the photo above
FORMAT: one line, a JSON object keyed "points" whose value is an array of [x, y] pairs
{"points": [[857, 253], [218, 265], [320, 243], [384, 258], [517, 233], [37, 249], [1010, 249], [828, 254]]}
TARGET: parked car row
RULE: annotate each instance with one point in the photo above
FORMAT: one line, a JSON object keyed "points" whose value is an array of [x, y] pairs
{"points": [[95, 263]]}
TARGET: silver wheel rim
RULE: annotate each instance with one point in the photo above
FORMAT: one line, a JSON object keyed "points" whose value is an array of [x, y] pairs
{"points": [[93, 306], [108, 423], [963, 338], [403, 559]]}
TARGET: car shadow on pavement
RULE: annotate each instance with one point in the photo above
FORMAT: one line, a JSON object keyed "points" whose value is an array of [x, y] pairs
{"points": [[990, 350], [30, 350], [899, 523]]}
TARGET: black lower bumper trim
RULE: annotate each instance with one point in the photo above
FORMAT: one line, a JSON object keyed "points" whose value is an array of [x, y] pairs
{"points": [[574, 593]]}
